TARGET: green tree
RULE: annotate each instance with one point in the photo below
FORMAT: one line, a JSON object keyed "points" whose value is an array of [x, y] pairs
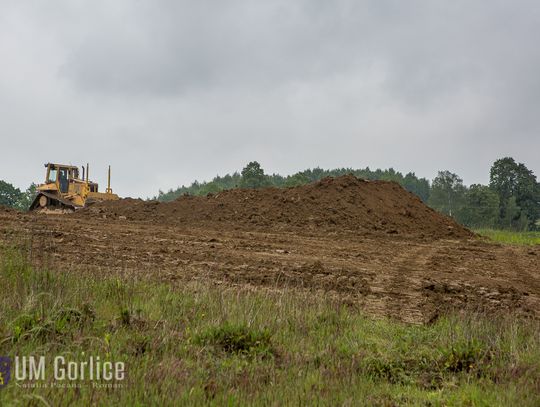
{"points": [[480, 207], [447, 193], [297, 180], [26, 198], [418, 186], [9, 195], [514, 218], [253, 176], [510, 179]]}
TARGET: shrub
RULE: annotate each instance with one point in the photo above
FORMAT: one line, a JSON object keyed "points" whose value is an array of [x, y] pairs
{"points": [[239, 339]]}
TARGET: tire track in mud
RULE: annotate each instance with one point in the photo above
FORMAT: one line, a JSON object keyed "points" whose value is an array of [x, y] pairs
{"points": [[397, 289]]}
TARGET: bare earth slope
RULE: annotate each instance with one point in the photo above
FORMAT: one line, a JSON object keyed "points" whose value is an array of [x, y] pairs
{"points": [[370, 244], [341, 204]]}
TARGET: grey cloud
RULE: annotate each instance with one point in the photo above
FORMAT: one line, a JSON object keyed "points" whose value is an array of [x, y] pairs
{"points": [[189, 89], [237, 44]]}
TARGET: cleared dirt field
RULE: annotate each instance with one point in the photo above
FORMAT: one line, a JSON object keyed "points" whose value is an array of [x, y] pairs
{"points": [[370, 244]]}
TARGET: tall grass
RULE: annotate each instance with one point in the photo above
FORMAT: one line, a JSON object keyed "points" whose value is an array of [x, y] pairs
{"points": [[509, 237], [205, 345]]}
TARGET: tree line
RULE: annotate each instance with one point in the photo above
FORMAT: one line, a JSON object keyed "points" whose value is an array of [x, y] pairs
{"points": [[511, 200], [253, 176]]}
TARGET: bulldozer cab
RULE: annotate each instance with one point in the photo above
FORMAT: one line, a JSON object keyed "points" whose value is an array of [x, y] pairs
{"points": [[61, 175]]}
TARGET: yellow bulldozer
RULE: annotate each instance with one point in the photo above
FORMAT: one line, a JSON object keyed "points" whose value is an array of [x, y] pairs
{"points": [[64, 190]]}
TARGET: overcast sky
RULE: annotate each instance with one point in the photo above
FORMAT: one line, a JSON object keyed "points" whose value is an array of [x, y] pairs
{"points": [[171, 91]]}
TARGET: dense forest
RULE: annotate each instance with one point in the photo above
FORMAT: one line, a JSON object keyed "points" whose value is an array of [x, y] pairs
{"points": [[510, 201]]}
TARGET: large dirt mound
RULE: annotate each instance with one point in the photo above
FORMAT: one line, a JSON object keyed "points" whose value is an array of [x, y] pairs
{"points": [[334, 204]]}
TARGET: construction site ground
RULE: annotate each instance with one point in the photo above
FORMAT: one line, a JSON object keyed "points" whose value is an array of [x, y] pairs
{"points": [[368, 244]]}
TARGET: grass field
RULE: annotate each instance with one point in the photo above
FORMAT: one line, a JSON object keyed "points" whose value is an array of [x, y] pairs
{"points": [[506, 236], [201, 344]]}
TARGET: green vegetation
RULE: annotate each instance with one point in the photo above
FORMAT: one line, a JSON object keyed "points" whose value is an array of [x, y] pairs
{"points": [[510, 202], [519, 193], [197, 344], [510, 237], [253, 176], [14, 197]]}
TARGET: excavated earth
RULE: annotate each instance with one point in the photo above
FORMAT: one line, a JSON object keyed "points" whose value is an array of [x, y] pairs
{"points": [[370, 244]]}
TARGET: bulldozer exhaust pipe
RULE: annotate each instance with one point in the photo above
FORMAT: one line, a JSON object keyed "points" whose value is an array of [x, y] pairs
{"points": [[109, 190]]}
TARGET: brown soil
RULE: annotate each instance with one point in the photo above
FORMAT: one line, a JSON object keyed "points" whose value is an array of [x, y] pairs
{"points": [[370, 244], [344, 204], [5, 209]]}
